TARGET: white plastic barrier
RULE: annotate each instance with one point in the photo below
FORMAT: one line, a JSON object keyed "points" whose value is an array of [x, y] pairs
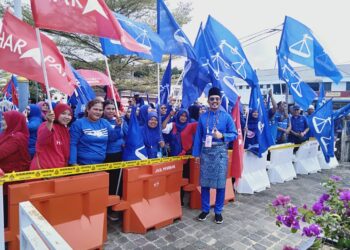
{"points": [[254, 177], [306, 160], [333, 162], [36, 232], [281, 168]]}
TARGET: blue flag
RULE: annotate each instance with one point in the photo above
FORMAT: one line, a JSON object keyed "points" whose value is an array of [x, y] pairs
{"points": [[341, 112], [134, 146], [263, 134], [10, 90], [302, 93], [142, 33], [216, 67], [229, 51], [83, 93], [321, 96], [300, 45], [322, 126], [165, 85]]}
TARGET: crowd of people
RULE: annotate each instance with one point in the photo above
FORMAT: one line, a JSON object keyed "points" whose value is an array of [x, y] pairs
{"points": [[40, 139]]}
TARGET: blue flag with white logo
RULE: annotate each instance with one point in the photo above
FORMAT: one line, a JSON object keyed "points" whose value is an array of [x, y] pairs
{"points": [[216, 67], [302, 93], [229, 50], [134, 147], [300, 45], [142, 33], [321, 96], [321, 124], [263, 136], [165, 85], [83, 93]]}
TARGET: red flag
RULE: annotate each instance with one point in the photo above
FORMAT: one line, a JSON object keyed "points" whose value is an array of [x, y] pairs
{"points": [[10, 91], [20, 54], [238, 147], [94, 78], [91, 17]]}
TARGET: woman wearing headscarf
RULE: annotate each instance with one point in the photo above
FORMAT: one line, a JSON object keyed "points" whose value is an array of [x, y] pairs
{"points": [[152, 135], [52, 146], [143, 113], [194, 112], [251, 138], [14, 154], [44, 107], [181, 135], [90, 136], [34, 122]]}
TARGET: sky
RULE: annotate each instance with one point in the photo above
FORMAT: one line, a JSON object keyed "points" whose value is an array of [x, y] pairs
{"points": [[329, 20]]}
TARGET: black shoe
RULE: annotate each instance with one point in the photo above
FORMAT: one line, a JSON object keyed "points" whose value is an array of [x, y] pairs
{"points": [[218, 219], [203, 216]]}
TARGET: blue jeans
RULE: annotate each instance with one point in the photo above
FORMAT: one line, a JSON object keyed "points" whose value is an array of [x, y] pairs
{"points": [[219, 201]]}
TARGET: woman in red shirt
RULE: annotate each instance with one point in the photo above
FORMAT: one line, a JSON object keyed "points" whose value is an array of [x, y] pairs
{"points": [[14, 154], [52, 146]]}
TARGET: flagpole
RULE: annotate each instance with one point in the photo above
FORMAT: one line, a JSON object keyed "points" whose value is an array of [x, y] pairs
{"points": [[43, 66], [177, 83], [158, 82], [111, 85]]}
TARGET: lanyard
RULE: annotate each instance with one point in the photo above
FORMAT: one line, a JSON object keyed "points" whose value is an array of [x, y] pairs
{"points": [[216, 118]]}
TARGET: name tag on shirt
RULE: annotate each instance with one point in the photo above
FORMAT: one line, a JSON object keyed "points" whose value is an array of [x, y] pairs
{"points": [[208, 141]]}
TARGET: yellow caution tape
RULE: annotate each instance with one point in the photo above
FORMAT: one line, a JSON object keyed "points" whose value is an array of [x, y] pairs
{"points": [[74, 170]]}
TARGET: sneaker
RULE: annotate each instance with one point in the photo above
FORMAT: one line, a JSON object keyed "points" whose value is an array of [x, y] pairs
{"points": [[203, 216], [218, 219], [113, 216]]}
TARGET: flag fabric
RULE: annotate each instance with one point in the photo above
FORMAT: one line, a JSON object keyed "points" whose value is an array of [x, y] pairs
{"points": [[82, 94], [321, 124], [302, 93], [142, 33], [20, 54], [165, 85], [228, 50], [134, 147], [264, 136], [90, 17], [321, 96], [300, 45], [10, 90], [341, 112], [238, 146], [216, 66], [94, 77], [109, 95]]}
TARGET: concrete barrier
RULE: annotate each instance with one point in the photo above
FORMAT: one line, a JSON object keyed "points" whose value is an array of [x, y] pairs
{"points": [[306, 160]]}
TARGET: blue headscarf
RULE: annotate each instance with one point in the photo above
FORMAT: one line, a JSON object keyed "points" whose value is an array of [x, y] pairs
{"points": [[143, 115], [35, 111], [151, 136], [194, 112], [179, 125]]}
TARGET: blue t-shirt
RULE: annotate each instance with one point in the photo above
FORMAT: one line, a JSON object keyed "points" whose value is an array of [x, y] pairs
{"points": [[88, 140], [282, 122], [116, 146]]}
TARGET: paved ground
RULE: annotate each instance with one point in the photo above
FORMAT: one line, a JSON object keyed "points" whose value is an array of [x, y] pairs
{"points": [[247, 224]]}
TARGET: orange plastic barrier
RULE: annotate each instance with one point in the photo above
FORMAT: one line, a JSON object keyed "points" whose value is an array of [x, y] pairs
{"points": [[195, 190], [75, 206], [151, 196]]}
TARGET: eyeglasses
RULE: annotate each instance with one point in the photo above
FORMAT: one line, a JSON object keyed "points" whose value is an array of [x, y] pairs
{"points": [[212, 99]]}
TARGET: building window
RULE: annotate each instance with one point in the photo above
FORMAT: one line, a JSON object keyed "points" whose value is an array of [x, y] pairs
{"points": [[283, 85], [327, 86], [347, 86], [314, 85], [268, 86], [276, 89], [240, 87]]}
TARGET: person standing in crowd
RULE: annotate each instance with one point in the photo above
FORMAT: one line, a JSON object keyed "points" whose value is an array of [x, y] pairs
{"points": [[251, 131], [299, 126], [271, 114], [139, 102], [309, 112], [215, 129], [181, 134], [152, 136], [44, 107], [52, 146], [14, 154], [127, 115], [193, 112], [283, 123], [34, 122], [90, 136]]}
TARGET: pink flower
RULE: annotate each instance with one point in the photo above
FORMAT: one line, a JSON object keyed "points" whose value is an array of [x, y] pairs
{"points": [[281, 200]]}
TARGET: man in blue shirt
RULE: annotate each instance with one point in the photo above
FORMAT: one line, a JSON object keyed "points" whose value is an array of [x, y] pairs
{"points": [[283, 123], [214, 131], [299, 126]]}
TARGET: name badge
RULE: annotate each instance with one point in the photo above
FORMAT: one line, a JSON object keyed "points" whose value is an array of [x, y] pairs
{"points": [[208, 141]]}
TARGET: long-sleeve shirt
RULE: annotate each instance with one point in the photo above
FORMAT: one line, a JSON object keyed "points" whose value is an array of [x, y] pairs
{"points": [[33, 126], [223, 123], [116, 146], [89, 140]]}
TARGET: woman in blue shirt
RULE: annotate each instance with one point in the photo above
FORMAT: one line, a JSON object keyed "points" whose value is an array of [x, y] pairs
{"points": [[34, 122], [152, 137]]}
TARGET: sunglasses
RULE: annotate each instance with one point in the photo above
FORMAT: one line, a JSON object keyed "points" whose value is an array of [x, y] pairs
{"points": [[212, 99]]}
